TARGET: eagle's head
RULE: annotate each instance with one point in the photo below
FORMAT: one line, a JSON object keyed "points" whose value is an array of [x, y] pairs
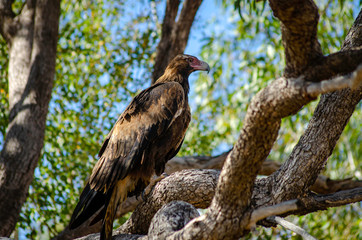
{"points": [[186, 64]]}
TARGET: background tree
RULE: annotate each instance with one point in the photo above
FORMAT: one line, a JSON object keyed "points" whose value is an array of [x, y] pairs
{"points": [[31, 37], [106, 52]]}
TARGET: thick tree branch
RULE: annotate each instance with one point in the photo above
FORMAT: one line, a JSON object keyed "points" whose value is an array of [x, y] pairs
{"points": [[354, 36], [339, 63], [303, 53], [322, 202], [323, 185], [175, 34], [208, 178], [196, 162], [299, 21], [170, 218], [316, 144], [303, 206], [196, 187], [354, 81]]}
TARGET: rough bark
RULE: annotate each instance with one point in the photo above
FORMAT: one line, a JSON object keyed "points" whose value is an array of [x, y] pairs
{"points": [[301, 206], [322, 185], [206, 179], [32, 38], [170, 218], [309, 156], [175, 33], [197, 188], [299, 21]]}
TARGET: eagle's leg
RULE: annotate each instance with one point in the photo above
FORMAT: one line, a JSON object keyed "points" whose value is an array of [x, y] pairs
{"points": [[154, 180], [119, 194]]}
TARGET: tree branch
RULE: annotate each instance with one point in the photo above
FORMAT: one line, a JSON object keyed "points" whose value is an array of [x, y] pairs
{"points": [[322, 202], [174, 35], [316, 144], [303, 53], [170, 218], [354, 35], [305, 205], [196, 187], [292, 227], [299, 21], [323, 185], [278, 209], [354, 81], [339, 63]]}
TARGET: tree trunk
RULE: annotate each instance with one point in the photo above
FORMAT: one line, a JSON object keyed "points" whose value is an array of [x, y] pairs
{"points": [[175, 34], [32, 38]]}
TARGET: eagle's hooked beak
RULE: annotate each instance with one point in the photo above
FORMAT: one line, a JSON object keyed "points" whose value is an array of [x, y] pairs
{"points": [[202, 66]]}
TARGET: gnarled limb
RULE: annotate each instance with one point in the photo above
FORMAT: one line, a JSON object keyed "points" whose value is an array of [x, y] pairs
{"points": [[170, 218], [196, 187], [299, 21], [339, 63], [304, 205], [316, 144]]}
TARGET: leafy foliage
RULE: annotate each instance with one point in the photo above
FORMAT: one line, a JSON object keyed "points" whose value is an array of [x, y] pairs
{"points": [[4, 90], [105, 55]]}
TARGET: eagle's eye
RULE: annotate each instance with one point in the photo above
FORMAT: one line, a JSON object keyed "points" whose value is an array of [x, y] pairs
{"points": [[190, 60]]}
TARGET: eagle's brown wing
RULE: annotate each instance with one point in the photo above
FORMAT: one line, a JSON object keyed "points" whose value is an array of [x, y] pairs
{"points": [[144, 121]]}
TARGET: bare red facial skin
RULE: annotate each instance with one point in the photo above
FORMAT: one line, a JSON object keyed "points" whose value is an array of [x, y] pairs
{"points": [[196, 64]]}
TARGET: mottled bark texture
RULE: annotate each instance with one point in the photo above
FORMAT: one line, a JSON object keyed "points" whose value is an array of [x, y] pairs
{"points": [[32, 39], [170, 218], [205, 179], [196, 187], [209, 178], [299, 20], [322, 185], [175, 33], [310, 155]]}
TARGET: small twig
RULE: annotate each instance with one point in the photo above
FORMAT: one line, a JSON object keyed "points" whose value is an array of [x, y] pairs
{"points": [[337, 83], [292, 227], [277, 209]]}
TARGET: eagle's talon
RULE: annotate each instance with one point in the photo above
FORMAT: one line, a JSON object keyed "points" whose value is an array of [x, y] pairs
{"points": [[154, 180]]}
